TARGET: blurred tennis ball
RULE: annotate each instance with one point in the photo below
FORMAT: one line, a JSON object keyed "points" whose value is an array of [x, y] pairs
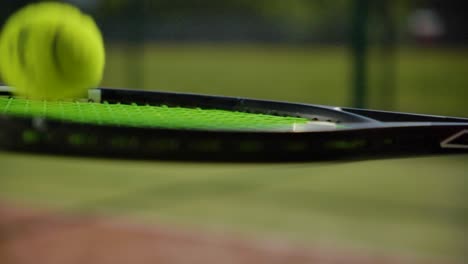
{"points": [[51, 50]]}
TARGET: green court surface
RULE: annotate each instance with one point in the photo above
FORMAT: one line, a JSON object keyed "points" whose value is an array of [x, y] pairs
{"points": [[415, 206]]}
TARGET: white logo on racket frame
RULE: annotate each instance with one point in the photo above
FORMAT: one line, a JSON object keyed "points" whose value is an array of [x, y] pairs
{"points": [[450, 142]]}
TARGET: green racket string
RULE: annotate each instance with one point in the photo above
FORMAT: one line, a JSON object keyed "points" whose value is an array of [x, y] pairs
{"points": [[134, 115]]}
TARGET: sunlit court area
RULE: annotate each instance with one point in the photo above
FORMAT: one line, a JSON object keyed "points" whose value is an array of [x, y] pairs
{"points": [[234, 131]]}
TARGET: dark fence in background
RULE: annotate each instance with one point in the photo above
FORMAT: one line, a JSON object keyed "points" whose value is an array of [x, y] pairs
{"points": [[221, 29], [295, 21]]}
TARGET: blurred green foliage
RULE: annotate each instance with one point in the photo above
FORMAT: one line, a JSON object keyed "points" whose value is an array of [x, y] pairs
{"points": [[299, 12]]}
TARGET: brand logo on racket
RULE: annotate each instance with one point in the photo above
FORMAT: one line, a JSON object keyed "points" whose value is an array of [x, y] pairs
{"points": [[458, 140]]}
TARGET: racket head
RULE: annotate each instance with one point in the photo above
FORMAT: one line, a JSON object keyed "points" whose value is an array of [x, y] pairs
{"points": [[315, 132]]}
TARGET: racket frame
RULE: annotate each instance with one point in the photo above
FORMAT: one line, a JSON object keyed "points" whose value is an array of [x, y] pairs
{"points": [[362, 133]]}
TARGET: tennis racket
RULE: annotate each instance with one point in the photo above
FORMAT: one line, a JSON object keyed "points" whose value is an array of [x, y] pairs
{"points": [[138, 124]]}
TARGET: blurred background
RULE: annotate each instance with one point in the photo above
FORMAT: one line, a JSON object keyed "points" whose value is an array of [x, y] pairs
{"points": [[405, 55]]}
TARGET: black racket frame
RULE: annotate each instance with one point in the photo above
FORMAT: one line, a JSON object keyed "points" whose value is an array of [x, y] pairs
{"points": [[368, 133]]}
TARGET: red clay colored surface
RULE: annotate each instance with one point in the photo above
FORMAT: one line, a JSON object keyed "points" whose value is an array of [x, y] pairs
{"points": [[33, 236]]}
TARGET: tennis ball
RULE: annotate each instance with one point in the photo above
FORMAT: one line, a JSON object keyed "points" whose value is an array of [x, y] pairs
{"points": [[51, 50]]}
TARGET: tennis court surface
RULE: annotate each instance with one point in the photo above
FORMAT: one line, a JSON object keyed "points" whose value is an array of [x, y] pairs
{"points": [[61, 209]]}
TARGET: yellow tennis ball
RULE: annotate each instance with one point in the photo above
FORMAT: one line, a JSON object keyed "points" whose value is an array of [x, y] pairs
{"points": [[51, 50]]}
